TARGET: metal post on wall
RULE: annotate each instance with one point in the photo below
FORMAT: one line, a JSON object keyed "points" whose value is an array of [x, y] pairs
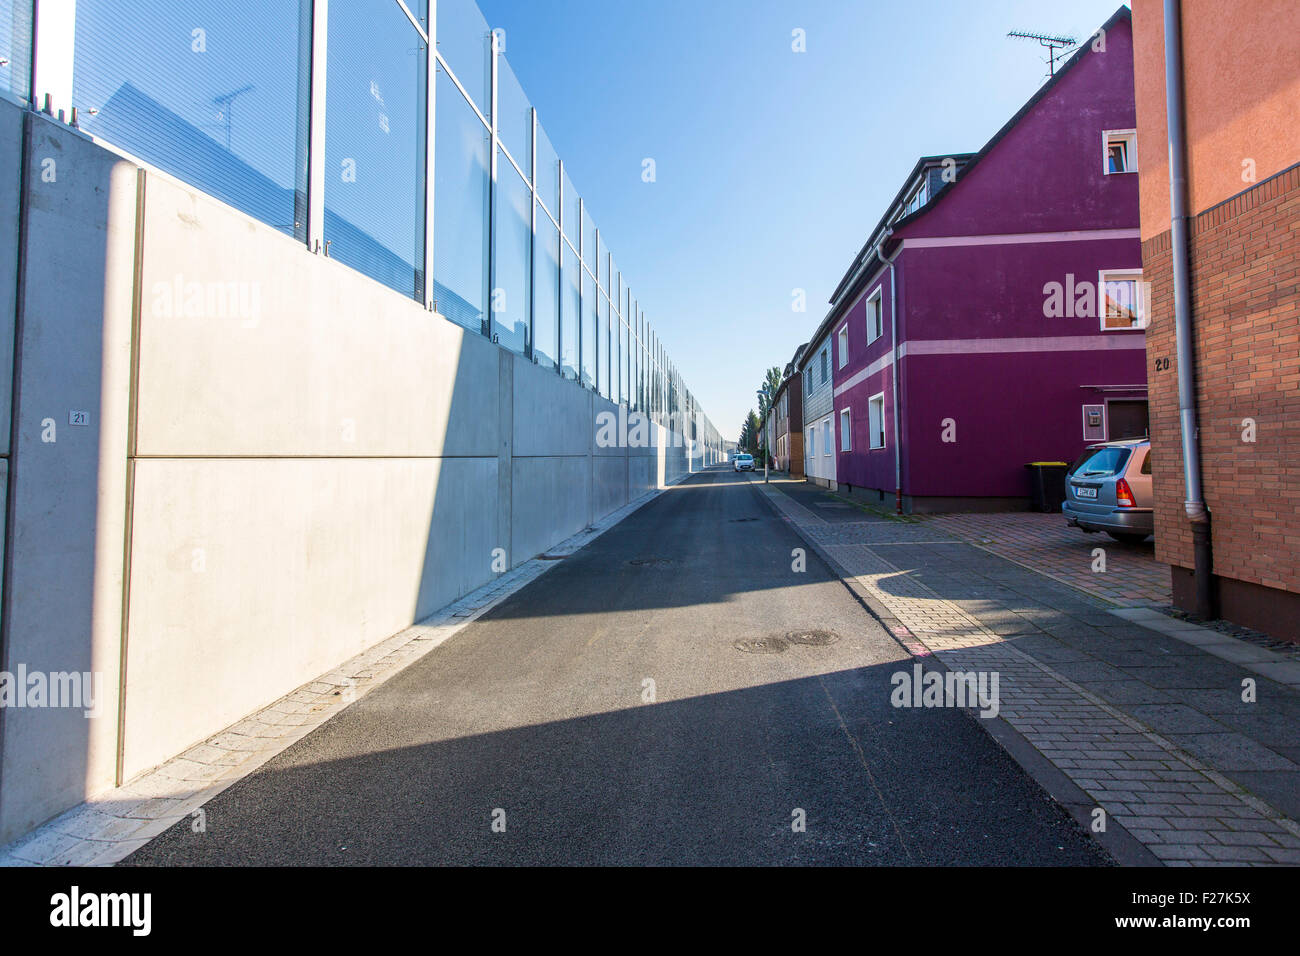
{"points": [[316, 129], [582, 284], [559, 278], [489, 320], [530, 349], [430, 124]]}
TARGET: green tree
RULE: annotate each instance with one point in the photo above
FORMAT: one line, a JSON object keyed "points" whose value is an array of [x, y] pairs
{"points": [[751, 434]]}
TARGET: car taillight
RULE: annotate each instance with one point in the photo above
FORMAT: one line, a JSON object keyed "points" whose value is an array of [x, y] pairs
{"points": [[1124, 494]]}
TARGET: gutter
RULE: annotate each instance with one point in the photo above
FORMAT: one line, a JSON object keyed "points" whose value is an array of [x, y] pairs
{"points": [[893, 375], [1194, 505]]}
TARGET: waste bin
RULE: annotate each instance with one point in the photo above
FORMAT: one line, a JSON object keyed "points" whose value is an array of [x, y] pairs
{"points": [[1046, 485]]}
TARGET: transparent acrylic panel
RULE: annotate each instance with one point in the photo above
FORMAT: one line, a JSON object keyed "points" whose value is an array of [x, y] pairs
{"points": [[602, 259], [463, 41], [546, 293], [16, 50], [588, 239], [514, 117], [588, 338], [512, 250], [622, 363], [569, 310], [571, 211], [460, 238], [605, 339], [214, 95], [374, 142], [548, 173]]}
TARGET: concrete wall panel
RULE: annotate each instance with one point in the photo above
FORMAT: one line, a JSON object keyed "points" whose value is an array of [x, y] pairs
{"points": [[251, 576], [63, 603], [550, 502], [250, 345]]}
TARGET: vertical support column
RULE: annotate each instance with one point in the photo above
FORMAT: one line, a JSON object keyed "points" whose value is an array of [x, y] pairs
{"points": [[489, 325], [559, 279], [430, 135], [316, 127], [582, 284], [54, 24], [532, 239]]}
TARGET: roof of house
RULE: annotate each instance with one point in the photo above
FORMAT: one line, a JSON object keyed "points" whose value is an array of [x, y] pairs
{"points": [[855, 277]]}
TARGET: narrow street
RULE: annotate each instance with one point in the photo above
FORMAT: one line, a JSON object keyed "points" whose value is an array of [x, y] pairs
{"points": [[607, 714]]}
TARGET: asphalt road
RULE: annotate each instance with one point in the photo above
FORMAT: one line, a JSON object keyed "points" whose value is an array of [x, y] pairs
{"points": [[539, 715]]}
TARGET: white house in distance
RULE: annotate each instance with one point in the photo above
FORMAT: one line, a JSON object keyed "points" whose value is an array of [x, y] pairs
{"points": [[819, 433]]}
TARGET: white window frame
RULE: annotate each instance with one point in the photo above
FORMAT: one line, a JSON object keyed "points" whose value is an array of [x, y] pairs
{"points": [[1129, 138], [846, 430], [1140, 294], [878, 398], [810, 439], [827, 430], [842, 340], [878, 298]]}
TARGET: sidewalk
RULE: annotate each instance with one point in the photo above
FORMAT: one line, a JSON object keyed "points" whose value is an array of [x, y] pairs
{"points": [[1143, 713]]}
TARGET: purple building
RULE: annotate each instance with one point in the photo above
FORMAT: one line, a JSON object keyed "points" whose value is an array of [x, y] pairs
{"points": [[996, 314]]}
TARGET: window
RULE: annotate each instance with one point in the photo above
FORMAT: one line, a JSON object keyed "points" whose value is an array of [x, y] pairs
{"points": [[811, 438], [827, 442], [1121, 297], [825, 362], [875, 316], [844, 345], [876, 420], [846, 436], [1121, 151], [807, 380]]}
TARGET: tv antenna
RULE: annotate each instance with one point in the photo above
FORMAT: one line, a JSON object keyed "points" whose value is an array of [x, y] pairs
{"points": [[1052, 43], [227, 101]]}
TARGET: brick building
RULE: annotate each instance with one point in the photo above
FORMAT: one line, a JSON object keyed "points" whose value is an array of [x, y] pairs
{"points": [[1241, 91]]}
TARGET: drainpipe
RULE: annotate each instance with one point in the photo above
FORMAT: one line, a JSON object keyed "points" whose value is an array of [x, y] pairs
{"points": [[893, 374], [1178, 222]]}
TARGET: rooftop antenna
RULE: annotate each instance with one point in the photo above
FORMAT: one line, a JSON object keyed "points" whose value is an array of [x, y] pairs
{"points": [[1052, 43], [227, 101]]}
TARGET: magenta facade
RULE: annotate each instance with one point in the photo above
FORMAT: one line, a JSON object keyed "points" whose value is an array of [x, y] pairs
{"points": [[995, 371]]}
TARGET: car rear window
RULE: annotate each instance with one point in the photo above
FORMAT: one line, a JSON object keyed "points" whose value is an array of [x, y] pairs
{"points": [[1100, 462]]}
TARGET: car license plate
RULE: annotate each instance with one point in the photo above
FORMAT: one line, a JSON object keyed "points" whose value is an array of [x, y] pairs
{"points": [[1085, 492]]}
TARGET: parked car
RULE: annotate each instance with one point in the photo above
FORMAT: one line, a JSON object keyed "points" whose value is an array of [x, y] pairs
{"points": [[744, 463], [1108, 488]]}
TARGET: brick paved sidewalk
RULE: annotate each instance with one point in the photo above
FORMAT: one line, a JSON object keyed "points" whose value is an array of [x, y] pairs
{"points": [[1145, 714], [1046, 544]]}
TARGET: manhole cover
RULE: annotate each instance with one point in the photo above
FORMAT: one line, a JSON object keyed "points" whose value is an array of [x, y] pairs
{"points": [[762, 645], [651, 562], [811, 638]]}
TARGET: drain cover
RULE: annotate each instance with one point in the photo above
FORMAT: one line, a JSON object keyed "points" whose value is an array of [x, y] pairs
{"points": [[812, 638], [740, 520], [762, 645]]}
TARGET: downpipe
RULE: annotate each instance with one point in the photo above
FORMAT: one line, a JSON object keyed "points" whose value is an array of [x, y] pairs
{"points": [[1197, 513], [893, 371]]}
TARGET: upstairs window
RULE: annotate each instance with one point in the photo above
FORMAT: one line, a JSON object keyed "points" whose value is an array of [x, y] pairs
{"points": [[1121, 151], [843, 338], [825, 363], [875, 317]]}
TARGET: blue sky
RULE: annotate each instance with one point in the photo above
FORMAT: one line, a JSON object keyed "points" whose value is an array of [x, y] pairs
{"points": [[771, 166]]}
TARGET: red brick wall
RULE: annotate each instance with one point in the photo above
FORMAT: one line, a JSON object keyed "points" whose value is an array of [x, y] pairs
{"points": [[1246, 313]]}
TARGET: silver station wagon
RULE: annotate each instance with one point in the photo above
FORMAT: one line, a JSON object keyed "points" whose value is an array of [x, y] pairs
{"points": [[1108, 488]]}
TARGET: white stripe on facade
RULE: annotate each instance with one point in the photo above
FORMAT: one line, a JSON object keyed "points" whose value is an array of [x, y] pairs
{"points": [[1014, 238], [1057, 343]]}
